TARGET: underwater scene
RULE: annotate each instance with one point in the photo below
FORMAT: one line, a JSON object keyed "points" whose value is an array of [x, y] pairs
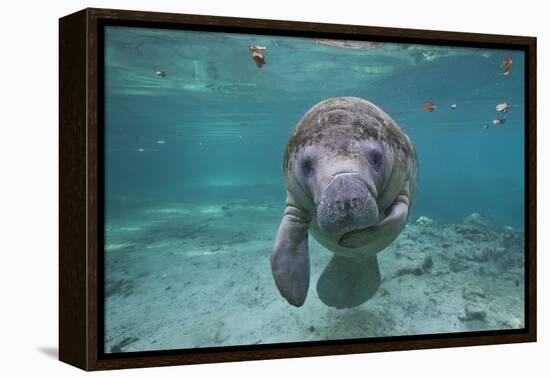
{"points": [[271, 189]]}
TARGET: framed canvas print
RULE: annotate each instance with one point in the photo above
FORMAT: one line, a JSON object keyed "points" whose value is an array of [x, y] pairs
{"points": [[235, 189]]}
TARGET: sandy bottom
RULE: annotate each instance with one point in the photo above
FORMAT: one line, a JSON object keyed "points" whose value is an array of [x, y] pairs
{"points": [[197, 274]]}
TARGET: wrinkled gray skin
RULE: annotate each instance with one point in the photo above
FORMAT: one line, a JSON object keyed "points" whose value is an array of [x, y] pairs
{"points": [[350, 174]]}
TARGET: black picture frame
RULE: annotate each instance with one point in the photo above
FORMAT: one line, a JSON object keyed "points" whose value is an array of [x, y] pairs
{"points": [[81, 287]]}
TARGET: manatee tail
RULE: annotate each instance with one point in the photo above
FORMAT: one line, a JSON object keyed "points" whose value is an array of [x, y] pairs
{"points": [[349, 282]]}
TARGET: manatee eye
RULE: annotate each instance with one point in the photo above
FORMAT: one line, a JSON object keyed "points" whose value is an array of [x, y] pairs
{"points": [[308, 166], [375, 159]]}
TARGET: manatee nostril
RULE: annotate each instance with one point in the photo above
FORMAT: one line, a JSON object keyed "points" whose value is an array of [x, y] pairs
{"points": [[339, 205], [354, 203]]}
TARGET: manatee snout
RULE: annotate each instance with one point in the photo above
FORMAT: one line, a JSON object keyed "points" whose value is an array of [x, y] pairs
{"points": [[346, 204]]}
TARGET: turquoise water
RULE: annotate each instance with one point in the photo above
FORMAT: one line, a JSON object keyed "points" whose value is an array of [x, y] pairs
{"points": [[194, 176]]}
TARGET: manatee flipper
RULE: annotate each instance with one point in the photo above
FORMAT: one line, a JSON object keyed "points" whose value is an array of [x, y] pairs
{"points": [[382, 234], [349, 282], [290, 256]]}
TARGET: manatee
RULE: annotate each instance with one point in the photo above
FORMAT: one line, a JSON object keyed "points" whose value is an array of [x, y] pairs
{"points": [[350, 174]]}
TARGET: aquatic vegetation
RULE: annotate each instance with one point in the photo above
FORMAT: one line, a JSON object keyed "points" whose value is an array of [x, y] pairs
{"points": [[416, 264], [258, 55], [429, 106], [507, 65], [503, 107]]}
